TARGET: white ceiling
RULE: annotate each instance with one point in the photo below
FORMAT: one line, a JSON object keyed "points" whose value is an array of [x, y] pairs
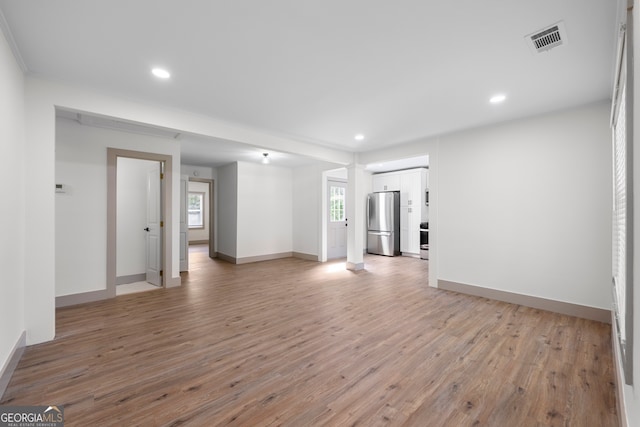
{"points": [[399, 164], [324, 71], [204, 151]]}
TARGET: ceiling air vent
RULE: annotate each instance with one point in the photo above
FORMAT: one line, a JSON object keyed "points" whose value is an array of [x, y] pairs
{"points": [[548, 38]]}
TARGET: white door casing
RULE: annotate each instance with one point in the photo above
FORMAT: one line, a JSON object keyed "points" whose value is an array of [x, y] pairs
{"points": [[154, 227], [337, 219], [184, 223]]}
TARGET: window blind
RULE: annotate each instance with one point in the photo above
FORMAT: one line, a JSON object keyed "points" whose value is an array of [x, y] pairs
{"points": [[622, 215]]}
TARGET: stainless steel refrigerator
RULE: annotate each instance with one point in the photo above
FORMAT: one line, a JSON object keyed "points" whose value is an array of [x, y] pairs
{"points": [[383, 223]]}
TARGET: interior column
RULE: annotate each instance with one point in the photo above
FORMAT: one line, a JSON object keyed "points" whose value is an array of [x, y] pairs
{"points": [[355, 216]]}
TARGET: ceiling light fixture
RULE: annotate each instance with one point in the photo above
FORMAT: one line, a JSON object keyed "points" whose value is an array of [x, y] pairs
{"points": [[497, 99], [161, 73], [265, 159], [359, 137]]}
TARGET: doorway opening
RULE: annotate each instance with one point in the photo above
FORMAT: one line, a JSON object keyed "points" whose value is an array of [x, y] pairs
{"points": [[197, 218], [121, 226], [337, 218], [336, 231], [138, 225]]}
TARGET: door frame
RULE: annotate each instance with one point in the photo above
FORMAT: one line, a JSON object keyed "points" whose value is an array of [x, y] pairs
{"points": [[212, 234], [326, 175], [346, 212], [165, 208], [153, 228]]}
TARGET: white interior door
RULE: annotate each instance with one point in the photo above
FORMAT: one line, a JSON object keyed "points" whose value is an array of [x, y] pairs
{"points": [[184, 223], [337, 227], [154, 227]]}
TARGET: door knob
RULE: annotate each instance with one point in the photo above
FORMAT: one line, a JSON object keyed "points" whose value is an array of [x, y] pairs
{"points": [[146, 229]]}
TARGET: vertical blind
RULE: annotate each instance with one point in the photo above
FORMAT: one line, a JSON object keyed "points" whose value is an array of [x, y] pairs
{"points": [[622, 227], [620, 216]]}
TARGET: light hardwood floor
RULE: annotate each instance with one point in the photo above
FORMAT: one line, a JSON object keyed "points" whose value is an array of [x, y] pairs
{"points": [[298, 343]]}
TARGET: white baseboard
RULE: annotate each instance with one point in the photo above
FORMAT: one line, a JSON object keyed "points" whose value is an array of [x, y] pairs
{"points": [[267, 257], [249, 259], [173, 282], [198, 242], [355, 266], [12, 362], [132, 278], [577, 310], [617, 366], [308, 257], [81, 298]]}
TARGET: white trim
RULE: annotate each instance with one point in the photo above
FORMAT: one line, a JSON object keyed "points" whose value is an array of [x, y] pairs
{"points": [[202, 206], [172, 282], [83, 297], [257, 258], [561, 307], [12, 362], [166, 207], [619, 374], [307, 257], [131, 278], [199, 242], [8, 35], [355, 266]]}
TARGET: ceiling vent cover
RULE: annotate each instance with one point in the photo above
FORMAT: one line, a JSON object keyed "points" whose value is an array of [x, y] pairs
{"points": [[548, 38]]}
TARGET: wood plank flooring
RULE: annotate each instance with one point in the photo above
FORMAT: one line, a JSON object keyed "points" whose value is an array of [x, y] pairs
{"points": [[298, 343]]}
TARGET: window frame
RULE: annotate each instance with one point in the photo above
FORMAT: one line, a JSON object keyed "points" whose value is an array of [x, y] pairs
{"points": [[202, 195], [623, 201], [333, 204]]}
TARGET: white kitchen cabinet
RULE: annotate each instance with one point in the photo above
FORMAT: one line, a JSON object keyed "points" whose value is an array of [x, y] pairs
{"points": [[409, 230], [404, 229], [386, 182], [411, 187]]}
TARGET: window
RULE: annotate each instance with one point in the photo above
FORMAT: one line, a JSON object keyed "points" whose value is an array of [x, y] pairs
{"points": [[622, 254], [336, 204], [196, 210]]}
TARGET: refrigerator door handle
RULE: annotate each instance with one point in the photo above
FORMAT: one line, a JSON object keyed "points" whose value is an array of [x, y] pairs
{"points": [[368, 204], [380, 233]]}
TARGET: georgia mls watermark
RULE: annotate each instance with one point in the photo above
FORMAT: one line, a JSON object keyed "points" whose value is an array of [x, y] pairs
{"points": [[31, 416]]}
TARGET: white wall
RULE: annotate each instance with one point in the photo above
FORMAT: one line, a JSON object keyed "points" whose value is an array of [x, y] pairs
{"points": [[41, 99], [12, 208], [200, 234], [310, 212], [340, 173], [521, 206], [81, 213], [265, 212], [306, 209], [131, 216], [227, 210], [365, 186], [551, 173], [198, 171]]}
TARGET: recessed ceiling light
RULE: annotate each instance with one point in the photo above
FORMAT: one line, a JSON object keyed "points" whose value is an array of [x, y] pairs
{"points": [[265, 159], [161, 73], [359, 137], [496, 99]]}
